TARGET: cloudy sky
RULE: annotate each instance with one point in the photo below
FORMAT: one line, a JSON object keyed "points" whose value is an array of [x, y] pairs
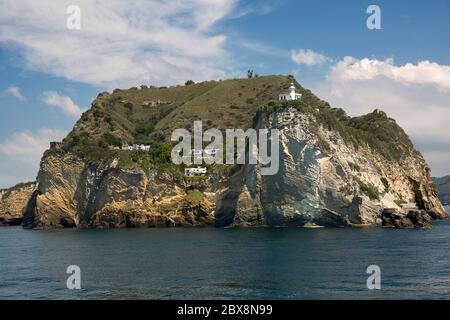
{"points": [[49, 73]]}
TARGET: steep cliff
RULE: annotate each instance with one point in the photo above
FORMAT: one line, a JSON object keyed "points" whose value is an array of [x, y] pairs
{"points": [[325, 179], [334, 170], [72, 193], [13, 202]]}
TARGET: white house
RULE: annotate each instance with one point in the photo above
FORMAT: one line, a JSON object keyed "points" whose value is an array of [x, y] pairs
{"points": [[192, 172], [290, 94], [141, 147]]}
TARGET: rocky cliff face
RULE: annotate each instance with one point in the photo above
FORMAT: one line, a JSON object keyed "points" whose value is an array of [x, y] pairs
{"points": [[72, 193], [334, 170], [324, 180], [13, 202]]}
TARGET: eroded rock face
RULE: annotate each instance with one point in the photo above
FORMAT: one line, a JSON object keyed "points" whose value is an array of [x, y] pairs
{"points": [[392, 218], [13, 202], [54, 204], [72, 193], [324, 181]]}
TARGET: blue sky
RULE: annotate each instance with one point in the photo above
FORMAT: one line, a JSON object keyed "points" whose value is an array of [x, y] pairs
{"points": [[49, 74], [411, 31]]}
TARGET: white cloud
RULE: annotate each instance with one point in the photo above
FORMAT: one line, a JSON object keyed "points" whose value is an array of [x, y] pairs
{"points": [[119, 44], [65, 103], [15, 92], [422, 73], [28, 146], [21, 153], [420, 104], [308, 57], [259, 7]]}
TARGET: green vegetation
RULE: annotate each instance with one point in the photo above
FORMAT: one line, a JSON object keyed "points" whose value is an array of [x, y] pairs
{"points": [[370, 190], [111, 140], [385, 183], [148, 115], [195, 196], [354, 166], [400, 202], [324, 145], [375, 130]]}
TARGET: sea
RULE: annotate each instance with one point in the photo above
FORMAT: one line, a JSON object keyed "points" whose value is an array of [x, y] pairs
{"points": [[234, 263]]}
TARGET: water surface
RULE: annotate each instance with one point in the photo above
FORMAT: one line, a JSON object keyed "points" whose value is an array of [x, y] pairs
{"points": [[272, 263]]}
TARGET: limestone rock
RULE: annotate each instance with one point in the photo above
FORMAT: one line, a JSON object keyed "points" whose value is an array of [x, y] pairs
{"points": [[413, 219], [73, 193], [13, 202], [327, 181]]}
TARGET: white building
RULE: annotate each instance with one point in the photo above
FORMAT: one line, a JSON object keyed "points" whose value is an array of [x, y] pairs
{"points": [[192, 172], [141, 147], [290, 94]]}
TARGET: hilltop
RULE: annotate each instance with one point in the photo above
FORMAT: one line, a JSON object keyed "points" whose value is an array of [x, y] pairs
{"points": [[149, 115]]}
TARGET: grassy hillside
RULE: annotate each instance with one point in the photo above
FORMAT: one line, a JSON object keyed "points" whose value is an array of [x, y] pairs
{"points": [[149, 115], [230, 104]]}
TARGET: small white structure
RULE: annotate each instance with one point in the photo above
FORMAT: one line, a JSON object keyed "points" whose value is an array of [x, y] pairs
{"points": [[149, 103], [290, 94], [193, 172], [141, 147], [409, 206]]}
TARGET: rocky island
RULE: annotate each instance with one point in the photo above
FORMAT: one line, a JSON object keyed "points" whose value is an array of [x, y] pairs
{"points": [[335, 170]]}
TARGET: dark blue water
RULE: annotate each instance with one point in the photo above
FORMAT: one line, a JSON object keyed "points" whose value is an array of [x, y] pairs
{"points": [[278, 263]]}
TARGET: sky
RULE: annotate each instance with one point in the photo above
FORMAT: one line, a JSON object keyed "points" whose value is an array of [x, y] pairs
{"points": [[50, 73]]}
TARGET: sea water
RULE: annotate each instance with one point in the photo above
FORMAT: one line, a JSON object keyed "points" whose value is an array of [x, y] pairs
{"points": [[213, 263]]}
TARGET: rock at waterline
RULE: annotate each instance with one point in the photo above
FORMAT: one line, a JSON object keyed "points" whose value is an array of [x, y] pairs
{"points": [[392, 218]]}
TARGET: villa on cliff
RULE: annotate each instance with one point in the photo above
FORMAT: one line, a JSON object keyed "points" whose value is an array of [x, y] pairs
{"points": [[140, 147], [290, 94], [193, 172]]}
